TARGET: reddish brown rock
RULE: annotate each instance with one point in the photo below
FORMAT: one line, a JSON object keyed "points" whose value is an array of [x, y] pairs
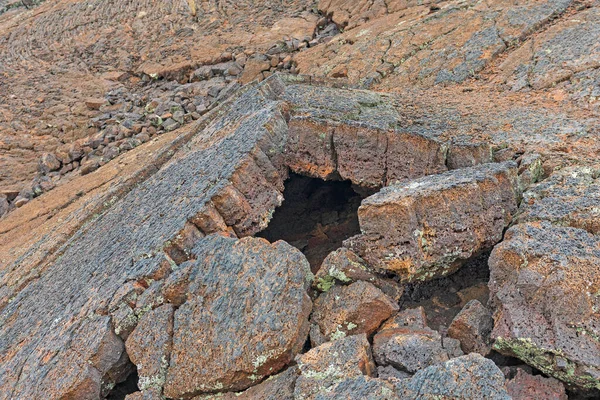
{"points": [[149, 346], [472, 327], [245, 331], [48, 162], [253, 69], [429, 227], [94, 104], [411, 317], [525, 386], [326, 365], [343, 266], [543, 288], [349, 310]]}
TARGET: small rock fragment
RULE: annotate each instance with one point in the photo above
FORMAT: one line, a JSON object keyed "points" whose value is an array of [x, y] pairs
{"points": [[349, 310], [344, 266], [472, 327], [324, 366]]}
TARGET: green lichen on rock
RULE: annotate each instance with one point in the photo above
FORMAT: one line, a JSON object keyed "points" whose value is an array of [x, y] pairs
{"points": [[547, 361]]}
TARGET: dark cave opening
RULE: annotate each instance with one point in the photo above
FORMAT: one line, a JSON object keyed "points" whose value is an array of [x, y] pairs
{"points": [[128, 386], [315, 217]]}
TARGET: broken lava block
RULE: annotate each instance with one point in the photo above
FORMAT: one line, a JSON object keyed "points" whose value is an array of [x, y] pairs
{"points": [[428, 227]]}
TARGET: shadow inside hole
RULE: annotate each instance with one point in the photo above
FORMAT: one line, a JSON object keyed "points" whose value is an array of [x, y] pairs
{"points": [[128, 386], [315, 217]]}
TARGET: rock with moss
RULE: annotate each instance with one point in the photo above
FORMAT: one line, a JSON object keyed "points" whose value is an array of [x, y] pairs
{"points": [[343, 266], [349, 310], [327, 365], [544, 288], [429, 227]]}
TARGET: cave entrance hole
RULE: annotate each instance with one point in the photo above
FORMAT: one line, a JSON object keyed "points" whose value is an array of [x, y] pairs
{"points": [[316, 216], [122, 389]]}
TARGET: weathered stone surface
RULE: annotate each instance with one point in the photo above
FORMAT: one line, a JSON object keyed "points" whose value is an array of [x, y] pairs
{"points": [[48, 163], [359, 388], [543, 287], [472, 327], [411, 317], [343, 266], [425, 45], [149, 346], [427, 228], [469, 377], [325, 366], [349, 310], [570, 197], [412, 349], [3, 205], [530, 170], [245, 332], [525, 386]]}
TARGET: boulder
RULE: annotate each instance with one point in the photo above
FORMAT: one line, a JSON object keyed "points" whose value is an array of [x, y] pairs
{"points": [[569, 197], [321, 368], [472, 326], [360, 388], [543, 288], [525, 386], [429, 227], [469, 377], [246, 331], [349, 310], [48, 163], [343, 266]]}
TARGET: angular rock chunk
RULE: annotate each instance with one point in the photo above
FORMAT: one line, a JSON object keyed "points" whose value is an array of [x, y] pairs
{"points": [[412, 349], [360, 388], [309, 148], [149, 346], [349, 310], [525, 386], [411, 317], [332, 362], [344, 266], [427, 228], [570, 197], [472, 327], [469, 377], [280, 387], [544, 287], [246, 316]]}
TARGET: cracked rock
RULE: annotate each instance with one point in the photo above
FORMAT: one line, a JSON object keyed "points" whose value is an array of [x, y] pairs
{"points": [[472, 326], [349, 310], [429, 227]]}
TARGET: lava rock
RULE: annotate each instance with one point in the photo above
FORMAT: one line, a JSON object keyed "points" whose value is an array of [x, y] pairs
{"points": [[470, 377], [543, 281], [343, 266], [525, 386], [472, 326], [349, 310], [412, 349], [49, 163], [149, 346], [569, 197], [429, 227], [323, 367], [247, 332]]}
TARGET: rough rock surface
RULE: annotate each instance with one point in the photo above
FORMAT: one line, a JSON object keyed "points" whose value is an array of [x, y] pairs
{"points": [[525, 386], [343, 266], [410, 349], [429, 227], [468, 377], [472, 327], [324, 366], [349, 310], [227, 305], [569, 197], [543, 286]]}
